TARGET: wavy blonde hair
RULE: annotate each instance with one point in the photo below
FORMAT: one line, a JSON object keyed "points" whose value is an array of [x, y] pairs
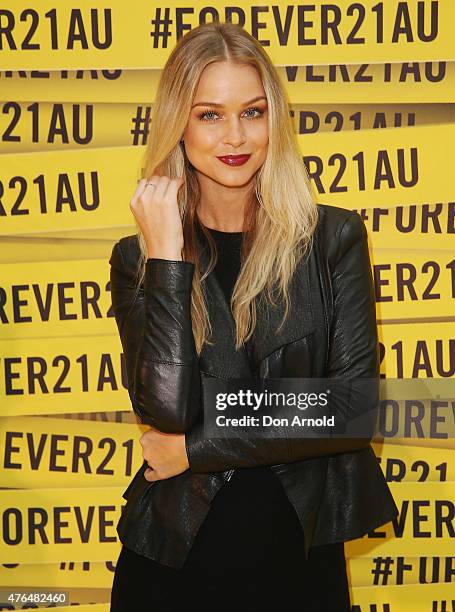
{"points": [[281, 214]]}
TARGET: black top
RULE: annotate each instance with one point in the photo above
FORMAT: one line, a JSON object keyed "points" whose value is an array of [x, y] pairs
{"points": [[228, 265], [251, 522]]}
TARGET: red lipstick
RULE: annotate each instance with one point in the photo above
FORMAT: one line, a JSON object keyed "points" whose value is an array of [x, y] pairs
{"points": [[234, 160]]}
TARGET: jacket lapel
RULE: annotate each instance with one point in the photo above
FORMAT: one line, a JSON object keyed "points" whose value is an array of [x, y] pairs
{"points": [[221, 359], [300, 319]]}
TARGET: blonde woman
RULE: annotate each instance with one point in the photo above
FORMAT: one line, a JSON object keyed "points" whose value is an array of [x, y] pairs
{"points": [[236, 272]]}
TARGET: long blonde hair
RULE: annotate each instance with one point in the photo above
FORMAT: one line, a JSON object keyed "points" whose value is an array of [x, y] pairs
{"points": [[281, 215]]}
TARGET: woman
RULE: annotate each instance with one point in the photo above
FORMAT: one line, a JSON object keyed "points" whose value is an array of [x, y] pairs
{"points": [[237, 273]]}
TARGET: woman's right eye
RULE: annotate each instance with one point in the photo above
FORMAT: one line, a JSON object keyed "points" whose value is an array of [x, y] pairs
{"points": [[207, 115]]}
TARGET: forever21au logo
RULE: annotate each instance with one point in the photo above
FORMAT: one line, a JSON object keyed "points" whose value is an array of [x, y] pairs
{"points": [[82, 31], [81, 191], [386, 169]]}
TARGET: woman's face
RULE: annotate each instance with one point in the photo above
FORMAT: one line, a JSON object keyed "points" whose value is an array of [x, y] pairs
{"points": [[228, 118]]}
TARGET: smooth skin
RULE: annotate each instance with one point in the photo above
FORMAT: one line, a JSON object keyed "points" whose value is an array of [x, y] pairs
{"points": [[229, 116]]}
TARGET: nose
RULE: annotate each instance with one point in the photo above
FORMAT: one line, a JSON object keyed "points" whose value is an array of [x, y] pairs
{"points": [[234, 133]]}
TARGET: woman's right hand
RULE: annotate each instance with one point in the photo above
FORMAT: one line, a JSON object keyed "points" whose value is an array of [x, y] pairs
{"points": [[157, 214]]}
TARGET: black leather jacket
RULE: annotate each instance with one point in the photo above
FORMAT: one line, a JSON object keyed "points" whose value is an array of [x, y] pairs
{"points": [[335, 485]]}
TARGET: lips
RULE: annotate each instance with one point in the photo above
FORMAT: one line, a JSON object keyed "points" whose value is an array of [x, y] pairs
{"points": [[234, 160]]}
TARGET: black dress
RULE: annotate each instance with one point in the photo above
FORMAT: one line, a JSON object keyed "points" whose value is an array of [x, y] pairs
{"points": [[248, 554]]}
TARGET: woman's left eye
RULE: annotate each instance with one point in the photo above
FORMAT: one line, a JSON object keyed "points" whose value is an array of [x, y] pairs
{"points": [[256, 110]]}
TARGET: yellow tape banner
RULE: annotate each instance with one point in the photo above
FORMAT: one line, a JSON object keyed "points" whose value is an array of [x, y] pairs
{"points": [[61, 126], [368, 572], [410, 284], [55, 525], [423, 442], [413, 410], [356, 166], [86, 574], [426, 522], [55, 191], [86, 37], [408, 463], [404, 598], [85, 374], [418, 350], [416, 421], [26, 250], [409, 82], [334, 116], [52, 299], [48, 452], [77, 189], [43, 126], [431, 226]]}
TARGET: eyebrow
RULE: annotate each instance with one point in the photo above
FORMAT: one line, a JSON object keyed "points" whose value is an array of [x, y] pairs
{"points": [[217, 104]]}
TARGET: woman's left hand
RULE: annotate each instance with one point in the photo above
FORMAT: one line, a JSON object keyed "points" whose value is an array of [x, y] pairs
{"points": [[165, 453]]}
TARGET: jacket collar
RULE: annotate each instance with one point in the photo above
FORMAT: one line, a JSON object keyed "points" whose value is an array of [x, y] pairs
{"points": [[221, 359]]}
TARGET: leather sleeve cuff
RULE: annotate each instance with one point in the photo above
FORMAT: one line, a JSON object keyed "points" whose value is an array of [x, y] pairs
{"points": [[194, 439], [168, 274]]}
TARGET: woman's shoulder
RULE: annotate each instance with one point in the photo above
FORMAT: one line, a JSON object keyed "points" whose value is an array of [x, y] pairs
{"points": [[338, 229], [126, 253], [332, 218]]}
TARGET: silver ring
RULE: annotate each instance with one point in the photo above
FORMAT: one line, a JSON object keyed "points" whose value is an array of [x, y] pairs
{"points": [[147, 184]]}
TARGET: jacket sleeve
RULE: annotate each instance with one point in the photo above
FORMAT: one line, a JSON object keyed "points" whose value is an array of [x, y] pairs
{"points": [[353, 354], [154, 323]]}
